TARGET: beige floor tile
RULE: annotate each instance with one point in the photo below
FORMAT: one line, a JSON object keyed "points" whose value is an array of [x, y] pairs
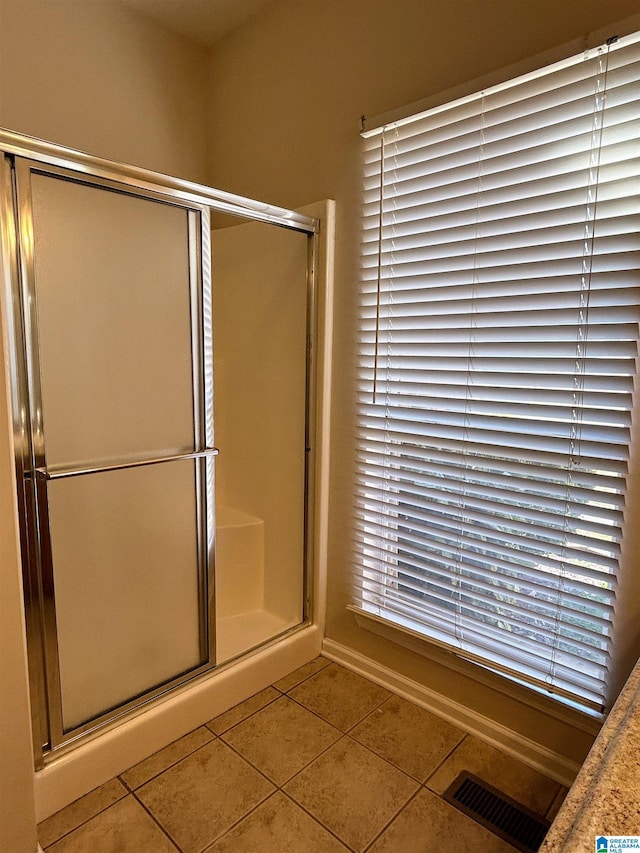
{"points": [[278, 826], [339, 696], [203, 795], [353, 792], [123, 828], [505, 773], [281, 739], [299, 675], [240, 712], [428, 823], [408, 736], [81, 810], [165, 758]]}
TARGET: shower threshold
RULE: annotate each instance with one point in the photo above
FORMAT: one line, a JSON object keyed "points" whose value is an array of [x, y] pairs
{"points": [[238, 633]]}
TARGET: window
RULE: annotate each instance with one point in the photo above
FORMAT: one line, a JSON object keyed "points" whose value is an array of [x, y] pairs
{"points": [[498, 346]]}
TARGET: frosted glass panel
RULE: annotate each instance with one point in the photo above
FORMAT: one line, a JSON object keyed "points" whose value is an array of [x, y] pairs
{"points": [[125, 563], [113, 308]]}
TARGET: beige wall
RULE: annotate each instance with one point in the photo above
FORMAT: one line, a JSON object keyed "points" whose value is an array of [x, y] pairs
{"points": [[17, 806], [94, 75], [288, 88], [286, 95]]}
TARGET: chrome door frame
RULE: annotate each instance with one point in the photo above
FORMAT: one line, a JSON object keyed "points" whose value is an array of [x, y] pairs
{"points": [[36, 474], [15, 228], [144, 179]]}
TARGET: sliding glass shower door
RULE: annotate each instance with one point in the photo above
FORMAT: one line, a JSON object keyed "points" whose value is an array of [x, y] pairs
{"points": [[118, 439]]}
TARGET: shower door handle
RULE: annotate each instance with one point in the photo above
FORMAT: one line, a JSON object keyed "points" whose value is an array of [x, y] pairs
{"points": [[58, 474]]}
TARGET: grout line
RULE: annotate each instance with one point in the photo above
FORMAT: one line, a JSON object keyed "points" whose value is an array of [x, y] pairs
{"points": [[369, 713], [387, 761], [317, 714], [244, 817], [309, 763], [306, 677], [324, 719], [279, 786], [86, 820], [172, 765], [158, 824], [252, 714], [347, 736], [389, 822], [443, 761], [126, 785], [246, 760], [318, 821], [282, 696]]}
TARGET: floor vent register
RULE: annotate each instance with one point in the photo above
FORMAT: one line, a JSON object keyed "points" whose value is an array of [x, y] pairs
{"points": [[511, 821]]}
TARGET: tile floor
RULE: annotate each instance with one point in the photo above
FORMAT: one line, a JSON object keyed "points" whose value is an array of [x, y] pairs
{"points": [[322, 760]]}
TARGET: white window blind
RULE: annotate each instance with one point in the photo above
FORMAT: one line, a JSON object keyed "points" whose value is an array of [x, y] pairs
{"points": [[498, 345]]}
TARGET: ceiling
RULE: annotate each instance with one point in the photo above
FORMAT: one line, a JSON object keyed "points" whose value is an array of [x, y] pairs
{"points": [[204, 21]]}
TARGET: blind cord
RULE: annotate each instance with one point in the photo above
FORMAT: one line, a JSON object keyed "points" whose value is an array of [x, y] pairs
{"points": [[582, 330]]}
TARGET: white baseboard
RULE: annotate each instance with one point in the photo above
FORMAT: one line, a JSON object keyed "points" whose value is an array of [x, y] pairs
{"points": [[538, 757]]}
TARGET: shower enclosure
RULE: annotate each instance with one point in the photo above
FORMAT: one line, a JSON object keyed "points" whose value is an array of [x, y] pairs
{"points": [[260, 334], [143, 343]]}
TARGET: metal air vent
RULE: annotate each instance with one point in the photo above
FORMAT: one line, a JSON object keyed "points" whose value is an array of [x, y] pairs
{"points": [[511, 821]]}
